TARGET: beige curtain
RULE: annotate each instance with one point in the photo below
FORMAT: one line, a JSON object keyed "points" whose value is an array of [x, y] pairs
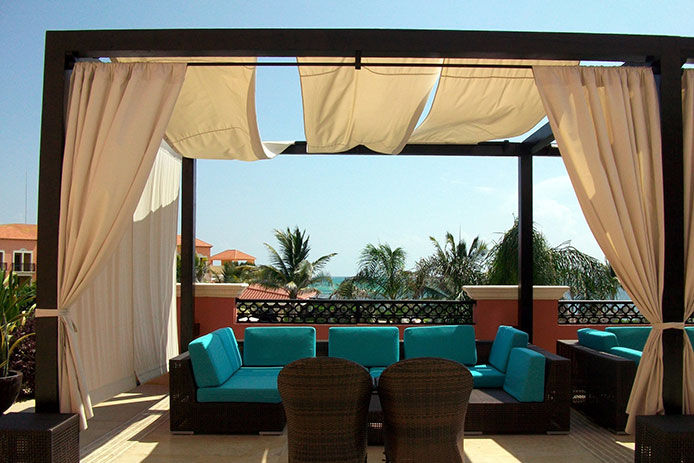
{"points": [[607, 126], [688, 126], [473, 105], [117, 115], [374, 106]]}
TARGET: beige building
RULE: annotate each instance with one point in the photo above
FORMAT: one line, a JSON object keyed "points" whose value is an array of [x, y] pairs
{"points": [[18, 249]]}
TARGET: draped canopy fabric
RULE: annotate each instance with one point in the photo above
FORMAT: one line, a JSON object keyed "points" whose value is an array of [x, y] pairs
{"points": [[607, 125], [373, 106], [215, 116], [477, 104], [688, 127], [116, 118]]}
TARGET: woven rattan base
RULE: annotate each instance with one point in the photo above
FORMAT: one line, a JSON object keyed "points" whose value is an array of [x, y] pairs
{"points": [[39, 438], [664, 438]]}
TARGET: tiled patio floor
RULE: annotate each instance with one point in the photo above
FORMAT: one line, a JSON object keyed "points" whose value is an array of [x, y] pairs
{"points": [[134, 427]]}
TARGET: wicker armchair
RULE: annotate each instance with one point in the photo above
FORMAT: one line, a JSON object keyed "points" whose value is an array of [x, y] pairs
{"points": [[424, 404], [326, 401]]}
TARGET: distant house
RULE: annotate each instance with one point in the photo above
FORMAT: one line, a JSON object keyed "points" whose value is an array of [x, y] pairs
{"points": [[232, 255], [202, 249], [255, 291], [18, 249]]}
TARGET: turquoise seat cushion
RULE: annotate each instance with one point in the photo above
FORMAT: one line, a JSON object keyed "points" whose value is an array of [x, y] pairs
{"points": [[633, 337], [525, 377], [456, 342], [231, 347], [486, 376], [248, 384], [506, 339], [596, 339], [211, 364], [368, 346], [631, 354], [278, 345], [375, 372]]}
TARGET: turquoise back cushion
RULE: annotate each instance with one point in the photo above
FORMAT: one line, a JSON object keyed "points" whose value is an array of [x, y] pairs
{"points": [[596, 339], [690, 333], [231, 347], [506, 339], [211, 364], [278, 345], [368, 346], [525, 376], [455, 342], [633, 337]]}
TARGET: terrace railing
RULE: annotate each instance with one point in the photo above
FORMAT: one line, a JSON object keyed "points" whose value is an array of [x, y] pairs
{"points": [[336, 311], [573, 312]]}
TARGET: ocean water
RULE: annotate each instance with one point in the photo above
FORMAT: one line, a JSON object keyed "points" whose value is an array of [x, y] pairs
{"points": [[327, 289]]}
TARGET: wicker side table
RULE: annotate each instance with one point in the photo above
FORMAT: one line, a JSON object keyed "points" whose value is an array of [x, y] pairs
{"points": [[39, 437], [664, 438]]}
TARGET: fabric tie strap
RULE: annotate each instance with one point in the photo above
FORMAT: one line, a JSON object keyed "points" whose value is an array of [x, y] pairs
{"points": [[668, 326]]}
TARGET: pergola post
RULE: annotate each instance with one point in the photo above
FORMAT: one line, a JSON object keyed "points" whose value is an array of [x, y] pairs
{"points": [[673, 193], [50, 175], [187, 253], [525, 243]]}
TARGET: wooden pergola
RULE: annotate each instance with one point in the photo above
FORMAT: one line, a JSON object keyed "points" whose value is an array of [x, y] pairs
{"points": [[664, 54]]}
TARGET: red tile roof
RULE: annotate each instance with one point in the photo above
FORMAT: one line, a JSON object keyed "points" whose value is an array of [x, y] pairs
{"points": [[18, 231], [198, 243], [261, 292], [233, 255]]}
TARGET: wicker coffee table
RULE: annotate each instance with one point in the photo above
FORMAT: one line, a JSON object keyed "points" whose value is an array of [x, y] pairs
{"points": [[664, 438], [39, 438]]}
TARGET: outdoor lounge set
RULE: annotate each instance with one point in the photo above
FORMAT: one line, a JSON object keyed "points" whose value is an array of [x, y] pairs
{"points": [[224, 386], [603, 368]]}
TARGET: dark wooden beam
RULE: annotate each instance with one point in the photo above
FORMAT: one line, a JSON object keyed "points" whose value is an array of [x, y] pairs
{"points": [[504, 148], [50, 175], [540, 140], [370, 42], [670, 67], [187, 253], [525, 244]]}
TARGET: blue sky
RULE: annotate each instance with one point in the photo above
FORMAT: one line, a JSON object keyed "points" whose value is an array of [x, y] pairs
{"points": [[343, 202]]}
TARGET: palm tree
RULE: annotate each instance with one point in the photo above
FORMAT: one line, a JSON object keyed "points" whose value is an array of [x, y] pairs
{"points": [[290, 268], [452, 266], [382, 271], [237, 272], [200, 270], [587, 277]]}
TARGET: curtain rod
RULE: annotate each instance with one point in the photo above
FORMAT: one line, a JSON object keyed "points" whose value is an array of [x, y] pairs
{"points": [[357, 64]]}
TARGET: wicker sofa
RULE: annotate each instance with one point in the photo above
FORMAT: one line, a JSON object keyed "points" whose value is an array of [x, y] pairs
{"points": [[491, 409], [603, 368]]}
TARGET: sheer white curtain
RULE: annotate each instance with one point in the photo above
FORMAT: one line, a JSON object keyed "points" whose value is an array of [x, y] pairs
{"points": [[116, 118], [688, 126], [607, 125], [155, 332]]}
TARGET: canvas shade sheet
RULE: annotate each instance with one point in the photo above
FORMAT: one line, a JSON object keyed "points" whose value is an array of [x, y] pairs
{"points": [[377, 107], [607, 126], [477, 104], [215, 115]]}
